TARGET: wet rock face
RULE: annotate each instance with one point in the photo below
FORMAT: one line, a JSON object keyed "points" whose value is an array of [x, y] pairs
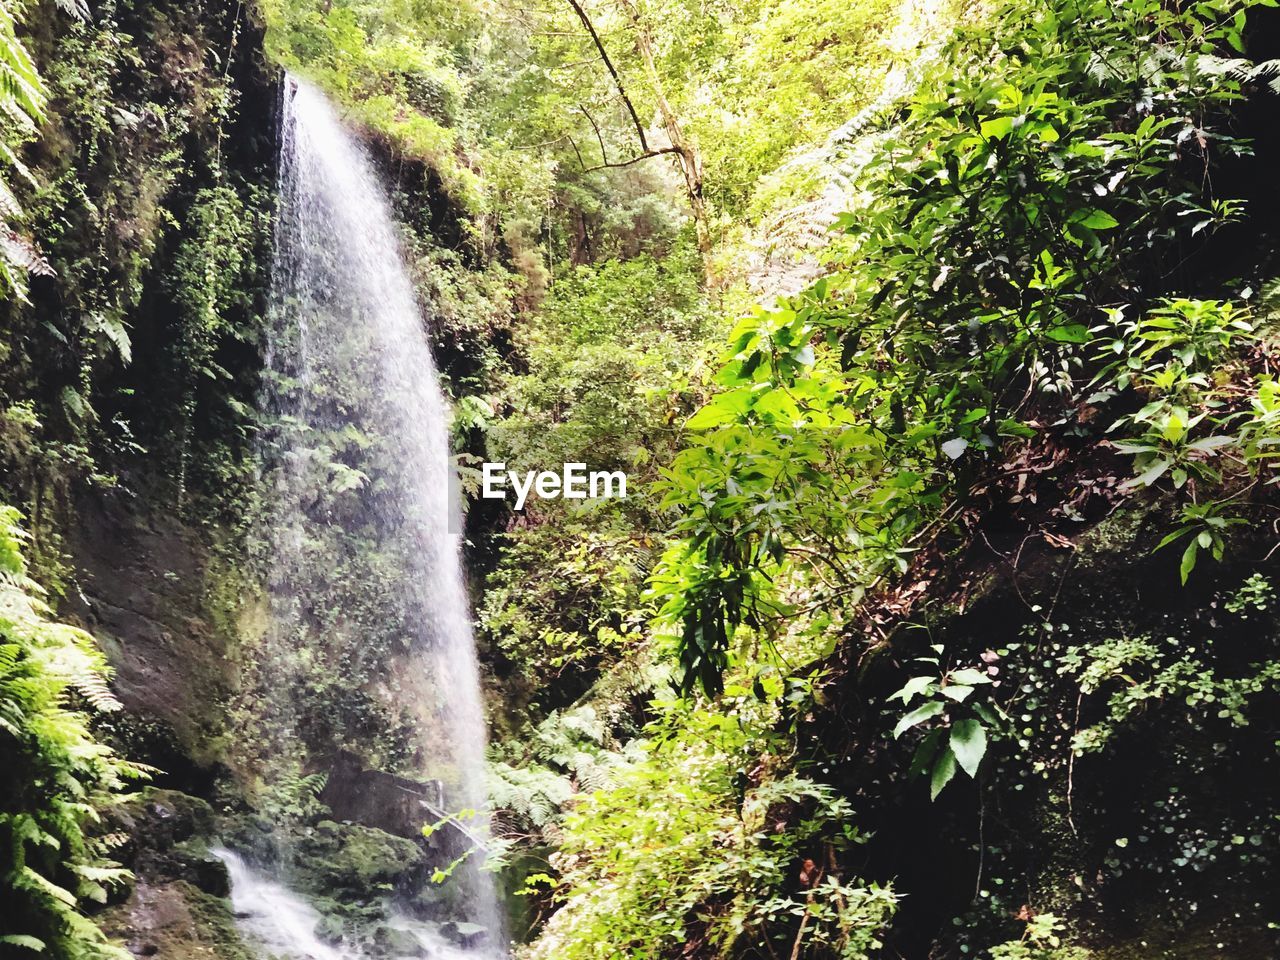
{"points": [[391, 942], [174, 921], [463, 934], [176, 908], [169, 834]]}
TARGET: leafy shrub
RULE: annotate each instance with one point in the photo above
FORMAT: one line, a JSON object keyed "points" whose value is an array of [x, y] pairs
{"points": [[1040, 941], [681, 852], [1037, 182]]}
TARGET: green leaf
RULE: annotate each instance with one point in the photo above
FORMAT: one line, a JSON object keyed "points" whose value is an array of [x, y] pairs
{"points": [[1176, 535], [1014, 428], [1098, 220], [969, 744], [997, 128], [722, 409], [968, 676], [912, 688], [1188, 560], [925, 753], [1151, 474], [943, 770], [1069, 333], [917, 716]]}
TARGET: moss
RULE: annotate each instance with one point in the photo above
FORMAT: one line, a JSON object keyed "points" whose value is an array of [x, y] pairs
{"points": [[1132, 529], [354, 862]]}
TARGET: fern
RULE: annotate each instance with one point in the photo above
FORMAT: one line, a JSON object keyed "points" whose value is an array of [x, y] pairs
{"points": [[60, 776], [22, 110]]}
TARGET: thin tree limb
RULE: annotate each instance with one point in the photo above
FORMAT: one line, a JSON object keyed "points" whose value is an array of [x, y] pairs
{"points": [[604, 154], [626, 163], [613, 72]]}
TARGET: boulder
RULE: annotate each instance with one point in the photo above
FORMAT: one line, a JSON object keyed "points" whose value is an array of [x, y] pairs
{"points": [[353, 862], [329, 930], [192, 861], [393, 942], [463, 934]]}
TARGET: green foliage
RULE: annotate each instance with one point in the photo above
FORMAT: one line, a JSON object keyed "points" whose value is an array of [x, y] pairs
{"points": [[1020, 194], [1183, 358], [295, 798], [612, 358], [213, 282], [682, 852], [571, 752], [60, 776], [1255, 595], [788, 75], [959, 737], [1041, 941], [613, 350], [134, 131], [1137, 673], [22, 110], [394, 67]]}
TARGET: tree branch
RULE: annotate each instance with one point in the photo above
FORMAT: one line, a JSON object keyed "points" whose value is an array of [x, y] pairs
{"points": [[613, 72], [626, 163], [604, 154]]}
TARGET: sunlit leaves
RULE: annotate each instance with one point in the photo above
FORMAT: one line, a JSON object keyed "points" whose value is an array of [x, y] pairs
{"points": [[968, 742], [1017, 196]]}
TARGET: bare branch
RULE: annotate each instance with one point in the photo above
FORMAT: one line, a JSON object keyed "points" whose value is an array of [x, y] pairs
{"points": [[604, 154], [626, 163], [613, 72]]}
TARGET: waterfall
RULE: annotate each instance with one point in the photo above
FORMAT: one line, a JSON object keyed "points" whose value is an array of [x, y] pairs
{"points": [[369, 642]]}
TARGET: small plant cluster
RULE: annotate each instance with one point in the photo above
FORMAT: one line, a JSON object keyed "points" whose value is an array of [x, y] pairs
{"points": [[1194, 427], [1139, 672], [1042, 940], [960, 737]]}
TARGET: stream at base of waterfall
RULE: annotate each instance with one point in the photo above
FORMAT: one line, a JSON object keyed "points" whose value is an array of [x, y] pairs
{"points": [[279, 923]]}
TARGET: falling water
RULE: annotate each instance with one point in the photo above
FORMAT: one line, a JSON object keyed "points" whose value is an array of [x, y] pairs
{"points": [[272, 917], [365, 574]]}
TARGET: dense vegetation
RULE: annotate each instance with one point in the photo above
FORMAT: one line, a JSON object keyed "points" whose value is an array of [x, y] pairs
{"points": [[936, 341]]}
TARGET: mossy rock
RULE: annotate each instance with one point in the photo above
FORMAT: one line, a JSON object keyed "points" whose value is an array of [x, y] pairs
{"points": [[463, 934], [158, 818], [330, 930], [169, 833], [192, 861], [175, 921], [350, 861]]}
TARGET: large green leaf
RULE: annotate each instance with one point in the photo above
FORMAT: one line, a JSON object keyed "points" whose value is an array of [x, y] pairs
{"points": [[969, 744], [943, 770]]}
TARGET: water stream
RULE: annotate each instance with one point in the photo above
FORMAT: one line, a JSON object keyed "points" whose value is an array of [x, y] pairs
{"points": [[279, 923], [366, 590]]}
